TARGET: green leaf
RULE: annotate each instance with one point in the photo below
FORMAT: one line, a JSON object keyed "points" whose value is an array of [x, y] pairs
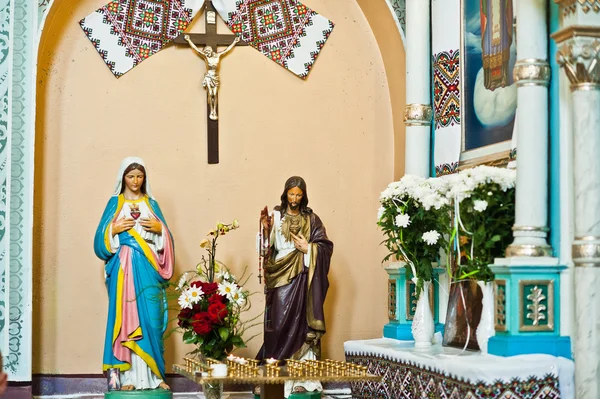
{"points": [[496, 238], [224, 333], [188, 337], [238, 341]]}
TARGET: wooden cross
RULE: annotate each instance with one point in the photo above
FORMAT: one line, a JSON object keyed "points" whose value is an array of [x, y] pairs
{"points": [[213, 39]]}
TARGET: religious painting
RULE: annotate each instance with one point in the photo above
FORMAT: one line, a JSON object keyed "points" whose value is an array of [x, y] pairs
{"points": [[489, 93]]}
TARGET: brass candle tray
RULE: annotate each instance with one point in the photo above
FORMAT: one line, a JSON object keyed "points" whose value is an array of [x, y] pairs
{"points": [[247, 371]]}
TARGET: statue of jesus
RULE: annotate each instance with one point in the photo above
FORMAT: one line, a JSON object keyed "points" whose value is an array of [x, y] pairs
{"points": [[296, 281], [211, 78]]}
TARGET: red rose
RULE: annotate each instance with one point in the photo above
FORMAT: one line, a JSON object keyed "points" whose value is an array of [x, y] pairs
{"points": [[201, 323], [209, 288], [217, 312], [199, 307], [184, 318], [216, 298]]}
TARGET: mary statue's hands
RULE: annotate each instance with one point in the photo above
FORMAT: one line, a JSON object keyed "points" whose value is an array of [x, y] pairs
{"points": [[152, 225], [121, 225]]}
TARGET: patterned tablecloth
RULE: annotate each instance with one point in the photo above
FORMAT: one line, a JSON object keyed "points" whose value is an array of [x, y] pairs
{"points": [[440, 372]]}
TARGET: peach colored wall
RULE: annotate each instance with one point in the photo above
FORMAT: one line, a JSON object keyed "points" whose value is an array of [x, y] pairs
{"points": [[336, 130], [383, 24]]}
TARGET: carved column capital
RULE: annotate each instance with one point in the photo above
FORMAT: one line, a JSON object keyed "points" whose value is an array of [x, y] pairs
{"points": [[579, 56], [418, 115], [532, 72]]}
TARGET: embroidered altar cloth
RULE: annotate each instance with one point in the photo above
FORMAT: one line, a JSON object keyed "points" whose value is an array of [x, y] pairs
{"points": [[449, 373]]}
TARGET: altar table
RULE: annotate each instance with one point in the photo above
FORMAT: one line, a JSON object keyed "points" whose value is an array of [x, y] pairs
{"points": [[443, 372]]}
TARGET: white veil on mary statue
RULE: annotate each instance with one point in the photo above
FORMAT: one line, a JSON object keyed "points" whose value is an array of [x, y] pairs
{"points": [[124, 165]]}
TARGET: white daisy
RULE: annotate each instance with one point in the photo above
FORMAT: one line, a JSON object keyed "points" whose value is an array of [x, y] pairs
{"points": [[227, 289], [195, 294], [184, 301], [223, 276], [238, 297], [431, 237], [182, 282]]}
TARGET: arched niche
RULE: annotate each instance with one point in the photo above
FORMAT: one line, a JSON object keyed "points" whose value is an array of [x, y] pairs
{"points": [[22, 230]]}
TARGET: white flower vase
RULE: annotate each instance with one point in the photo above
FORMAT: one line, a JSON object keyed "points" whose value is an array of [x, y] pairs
{"points": [[486, 328], [422, 325]]}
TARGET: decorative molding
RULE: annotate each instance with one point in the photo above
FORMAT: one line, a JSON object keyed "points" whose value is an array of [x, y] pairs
{"points": [[528, 250], [43, 8], [418, 115], [536, 305], [532, 72], [18, 54], [569, 7], [579, 57], [5, 14], [498, 159], [575, 31], [500, 305], [399, 7], [392, 300], [586, 251]]}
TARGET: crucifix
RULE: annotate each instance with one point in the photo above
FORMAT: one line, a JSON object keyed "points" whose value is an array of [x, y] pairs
{"points": [[211, 40]]}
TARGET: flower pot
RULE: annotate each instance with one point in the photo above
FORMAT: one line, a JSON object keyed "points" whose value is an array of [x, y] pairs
{"points": [[422, 325], [485, 329], [464, 312]]}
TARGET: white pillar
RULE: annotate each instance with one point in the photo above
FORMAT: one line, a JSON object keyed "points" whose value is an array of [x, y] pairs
{"points": [[418, 112], [532, 75], [579, 56]]}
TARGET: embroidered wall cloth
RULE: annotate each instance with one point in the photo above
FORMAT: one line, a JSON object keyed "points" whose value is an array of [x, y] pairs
{"points": [[126, 32], [285, 31]]}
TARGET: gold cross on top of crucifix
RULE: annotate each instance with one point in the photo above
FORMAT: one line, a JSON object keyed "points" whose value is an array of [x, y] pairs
{"points": [[212, 57]]}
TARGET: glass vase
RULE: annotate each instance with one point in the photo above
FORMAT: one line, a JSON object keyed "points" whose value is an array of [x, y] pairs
{"points": [[212, 390]]}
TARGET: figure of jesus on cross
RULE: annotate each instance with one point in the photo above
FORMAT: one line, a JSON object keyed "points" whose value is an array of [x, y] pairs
{"points": [[211, 78]]}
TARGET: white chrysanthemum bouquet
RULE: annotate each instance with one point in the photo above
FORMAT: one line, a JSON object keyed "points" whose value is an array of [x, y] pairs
{"points": [[474, 209], [484, 214], [415, 218]]}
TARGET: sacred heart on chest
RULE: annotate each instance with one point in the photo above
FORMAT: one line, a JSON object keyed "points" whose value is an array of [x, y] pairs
{"points": [[135, 211]]}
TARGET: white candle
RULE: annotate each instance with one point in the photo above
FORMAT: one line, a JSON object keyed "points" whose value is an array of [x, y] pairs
{"points": [[219, 370]]}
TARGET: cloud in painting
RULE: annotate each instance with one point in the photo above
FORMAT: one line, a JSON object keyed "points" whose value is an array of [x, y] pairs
{"points": [[494, 108]]}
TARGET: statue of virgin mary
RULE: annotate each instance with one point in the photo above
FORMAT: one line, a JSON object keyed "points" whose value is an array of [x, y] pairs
{"points": [[137, 247]]}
